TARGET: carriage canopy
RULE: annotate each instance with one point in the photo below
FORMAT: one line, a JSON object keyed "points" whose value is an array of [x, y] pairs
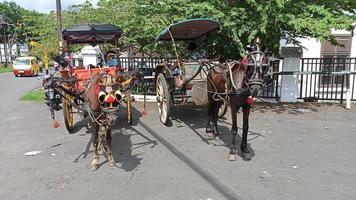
{"points": [[189, 29], [92, 34]]}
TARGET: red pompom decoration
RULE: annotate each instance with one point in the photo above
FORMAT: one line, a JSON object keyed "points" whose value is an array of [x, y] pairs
{"points": [[143, 112], [110, 98], [97, 89], [244, 61], [249, 100], [55, 124]]}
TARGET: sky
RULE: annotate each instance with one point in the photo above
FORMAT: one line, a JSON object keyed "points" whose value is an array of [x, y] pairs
{"points": [[45, 6]]}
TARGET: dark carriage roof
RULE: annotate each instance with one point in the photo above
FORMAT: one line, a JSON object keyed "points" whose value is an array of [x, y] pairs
{"points": [[92, 34], [189, 29]]}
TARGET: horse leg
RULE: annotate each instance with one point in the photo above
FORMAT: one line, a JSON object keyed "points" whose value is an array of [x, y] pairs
{"points": [[109, 150], [105, 138], [209, 112], [243, 146], [95, 135], [215, 114], [234, 129]]}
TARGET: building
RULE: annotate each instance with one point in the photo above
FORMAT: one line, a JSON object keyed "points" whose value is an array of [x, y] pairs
{"points": [[324, 68], [88, 55]]}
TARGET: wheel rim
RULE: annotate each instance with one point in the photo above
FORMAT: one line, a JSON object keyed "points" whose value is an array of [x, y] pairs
{"points": [[69, 113], [129, 112]]}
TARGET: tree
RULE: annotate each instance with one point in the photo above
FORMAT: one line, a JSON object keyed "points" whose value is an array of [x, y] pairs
{"points": [[243, 20]]}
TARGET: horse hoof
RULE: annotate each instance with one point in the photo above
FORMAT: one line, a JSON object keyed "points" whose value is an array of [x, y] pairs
{"points": [[232, 157], [94, 167], [208, 130], [246, 157], [112, 164], [245, 150], [216, 137]]}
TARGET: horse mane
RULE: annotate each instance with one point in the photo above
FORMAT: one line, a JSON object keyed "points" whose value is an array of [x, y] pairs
{"points": [[238, 72], [90, 92]]}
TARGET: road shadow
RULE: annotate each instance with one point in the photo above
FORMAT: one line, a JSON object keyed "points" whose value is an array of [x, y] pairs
{"points": [[195, 117], [122, 146], [219, 186]]}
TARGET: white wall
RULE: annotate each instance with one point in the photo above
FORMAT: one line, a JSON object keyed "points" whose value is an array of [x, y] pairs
{"points": [[90, 55], [90, 59], [311, 47]]}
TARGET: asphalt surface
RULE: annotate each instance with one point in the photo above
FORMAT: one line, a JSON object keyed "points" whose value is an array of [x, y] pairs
{"points": [[300, 151]]}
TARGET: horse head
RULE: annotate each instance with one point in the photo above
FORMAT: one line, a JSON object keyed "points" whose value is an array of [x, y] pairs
{"points": [[108, 92], [256, 68]]}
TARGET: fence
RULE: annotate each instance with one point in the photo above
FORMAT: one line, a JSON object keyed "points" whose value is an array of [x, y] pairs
{"points": [[318, 78], [327, 78], [321, 79], [147, 65]]}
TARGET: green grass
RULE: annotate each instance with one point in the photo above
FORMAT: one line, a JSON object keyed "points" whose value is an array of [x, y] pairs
{"points": [[36, 95], [4, 69]]}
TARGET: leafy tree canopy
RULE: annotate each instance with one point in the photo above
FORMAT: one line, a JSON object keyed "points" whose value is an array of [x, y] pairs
{"points": [[241, 21]]}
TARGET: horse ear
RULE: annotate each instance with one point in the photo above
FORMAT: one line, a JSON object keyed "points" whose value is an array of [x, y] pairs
{"points": [[100, 78]]}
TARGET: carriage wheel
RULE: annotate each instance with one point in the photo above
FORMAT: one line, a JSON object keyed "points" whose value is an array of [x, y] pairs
{"points": [[163, 99], [129, 108], [68, 113], [223, 109]]}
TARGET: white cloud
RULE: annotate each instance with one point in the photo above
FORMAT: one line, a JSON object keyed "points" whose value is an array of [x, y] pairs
{"points": [[45, 6]]}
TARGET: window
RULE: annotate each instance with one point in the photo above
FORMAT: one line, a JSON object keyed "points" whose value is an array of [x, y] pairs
{"points": [[334, 64], [335, 59]]}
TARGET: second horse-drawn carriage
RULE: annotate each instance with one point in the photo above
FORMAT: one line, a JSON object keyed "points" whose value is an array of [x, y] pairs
{"points": [[188, 77]]}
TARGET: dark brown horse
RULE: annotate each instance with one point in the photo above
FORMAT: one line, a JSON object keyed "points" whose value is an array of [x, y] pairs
{"points": [[244, 81]]}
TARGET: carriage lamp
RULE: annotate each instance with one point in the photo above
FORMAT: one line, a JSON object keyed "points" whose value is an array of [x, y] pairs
{"points": [[257, 40]]}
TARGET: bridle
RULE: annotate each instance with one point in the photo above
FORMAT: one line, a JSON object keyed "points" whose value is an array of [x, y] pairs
{"points": [[257, 57]]}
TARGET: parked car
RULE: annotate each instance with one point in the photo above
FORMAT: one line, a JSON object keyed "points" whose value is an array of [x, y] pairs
{"points": [[26, 66]]}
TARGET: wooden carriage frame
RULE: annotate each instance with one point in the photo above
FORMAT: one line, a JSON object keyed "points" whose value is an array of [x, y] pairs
{"points": [[92, 34]]}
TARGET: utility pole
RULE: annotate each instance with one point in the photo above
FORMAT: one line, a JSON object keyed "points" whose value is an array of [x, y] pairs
{"points": [[1, 21], [59, 22]]}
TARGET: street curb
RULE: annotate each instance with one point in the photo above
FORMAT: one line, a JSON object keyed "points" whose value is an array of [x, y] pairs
{"points": [[140, 98]]}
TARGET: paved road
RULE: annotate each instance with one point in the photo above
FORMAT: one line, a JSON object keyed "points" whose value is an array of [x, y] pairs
{"points": [[12, 89], [300, 152]]}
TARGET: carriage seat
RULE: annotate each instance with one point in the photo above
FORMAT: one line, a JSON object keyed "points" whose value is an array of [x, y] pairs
{"points": [[220, 67]]}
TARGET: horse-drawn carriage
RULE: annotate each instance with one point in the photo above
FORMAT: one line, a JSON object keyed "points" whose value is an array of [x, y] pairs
{"points": [[185, 76], [96, 92], [212, 83]]}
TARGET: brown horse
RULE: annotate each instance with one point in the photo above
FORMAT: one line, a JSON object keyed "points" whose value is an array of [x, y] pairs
{"points": [[100, 121], [103, 95], [244, 81]]}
